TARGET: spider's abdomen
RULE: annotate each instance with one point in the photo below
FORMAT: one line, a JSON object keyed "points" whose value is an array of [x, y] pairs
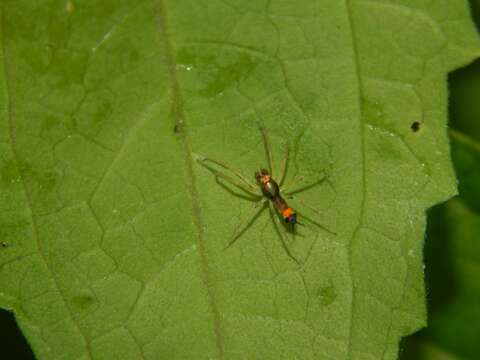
{"points": [[287, 213]]}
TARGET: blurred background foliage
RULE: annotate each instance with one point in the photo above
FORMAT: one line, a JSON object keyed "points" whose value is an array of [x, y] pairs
{"points": [[452, 249]]}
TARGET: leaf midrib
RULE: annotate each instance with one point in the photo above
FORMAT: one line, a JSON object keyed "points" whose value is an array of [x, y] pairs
{"points": [[181, 124], [348, 6]]}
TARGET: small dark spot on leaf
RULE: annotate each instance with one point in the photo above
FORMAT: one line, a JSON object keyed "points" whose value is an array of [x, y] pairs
{"points": [[326, 295], [177, 129], [374, 113], [219, 72], [83, 301], [3, 244], [9, 173], [415, 127]]}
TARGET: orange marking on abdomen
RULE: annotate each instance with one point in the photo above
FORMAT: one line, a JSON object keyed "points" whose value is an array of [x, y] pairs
{"points": [[287, 212]]}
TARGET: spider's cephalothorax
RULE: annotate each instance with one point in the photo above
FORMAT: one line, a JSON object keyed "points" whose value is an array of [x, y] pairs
{"points": [[269, 186]]}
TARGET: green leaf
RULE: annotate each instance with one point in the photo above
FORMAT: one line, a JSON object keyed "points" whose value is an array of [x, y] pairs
{"points": [[114, 236]]}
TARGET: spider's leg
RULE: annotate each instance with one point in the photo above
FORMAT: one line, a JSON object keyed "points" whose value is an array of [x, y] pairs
{"points": [[310, 220], [323, 227], [300, 189], [202, 159], [283, 170], [268, 149], [243, 194], [247, 220], [278, 228], [249, 189]]}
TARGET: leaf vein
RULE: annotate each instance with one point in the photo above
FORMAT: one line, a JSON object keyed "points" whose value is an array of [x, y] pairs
{"points": [[356, 58]]}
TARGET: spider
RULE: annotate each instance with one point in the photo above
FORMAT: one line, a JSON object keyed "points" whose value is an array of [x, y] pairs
{"points": [[267, 192]]}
